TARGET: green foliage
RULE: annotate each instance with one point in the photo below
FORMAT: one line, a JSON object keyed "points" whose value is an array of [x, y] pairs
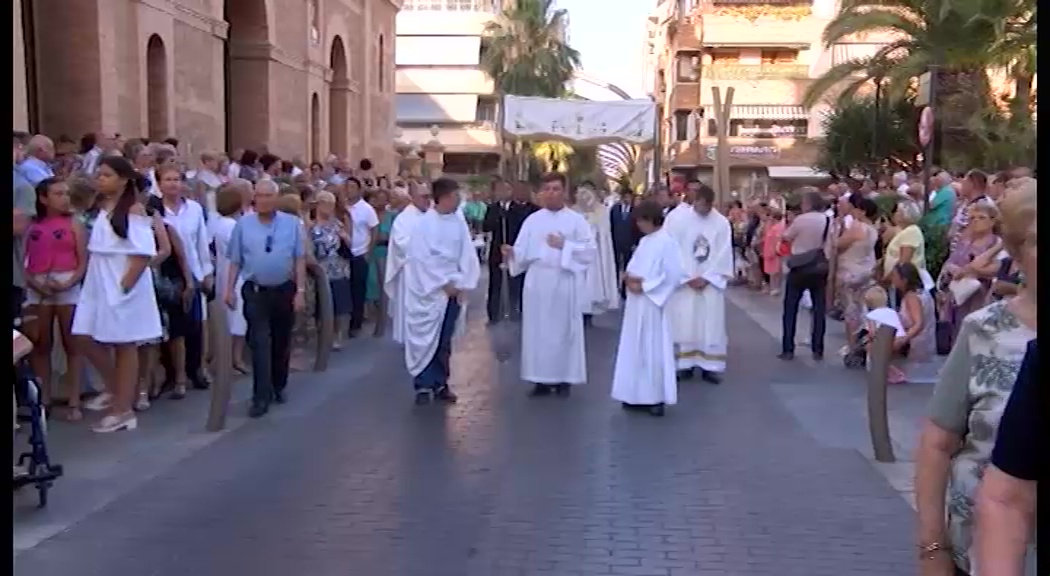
{"points": [[936, 238], [887, 203], [525, 51], [478, 181], [849, 130]]}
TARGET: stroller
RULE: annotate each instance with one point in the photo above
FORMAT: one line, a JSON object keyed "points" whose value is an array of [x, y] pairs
{"points": [[34, 467]]}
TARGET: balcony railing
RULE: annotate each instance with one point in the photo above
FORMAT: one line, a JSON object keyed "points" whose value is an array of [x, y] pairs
{"points": [[755, 71]]}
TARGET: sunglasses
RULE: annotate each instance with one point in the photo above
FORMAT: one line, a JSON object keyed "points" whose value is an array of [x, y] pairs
{"points": [[268, 247]]}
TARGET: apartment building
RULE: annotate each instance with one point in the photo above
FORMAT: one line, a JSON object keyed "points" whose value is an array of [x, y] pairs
{"points": [[303, 78], [439, 82], [768, 51]]}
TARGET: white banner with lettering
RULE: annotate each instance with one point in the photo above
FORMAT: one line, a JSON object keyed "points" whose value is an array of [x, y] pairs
{"points": [[579, 121]]}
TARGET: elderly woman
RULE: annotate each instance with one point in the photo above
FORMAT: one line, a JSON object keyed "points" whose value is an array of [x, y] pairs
{"points": [[904, 240], [965, 262], [330, 238], [968, 402], [855, 249]]}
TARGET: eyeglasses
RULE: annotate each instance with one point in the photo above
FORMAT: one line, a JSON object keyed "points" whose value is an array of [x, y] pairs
{"points": [[268, 247]]}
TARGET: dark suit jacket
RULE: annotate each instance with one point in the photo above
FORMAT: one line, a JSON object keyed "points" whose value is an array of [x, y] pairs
{"points": [[497, 220], [625, 232]]}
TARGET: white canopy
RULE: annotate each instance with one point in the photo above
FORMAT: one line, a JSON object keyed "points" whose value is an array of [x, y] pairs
{"points": [[579, 121]]}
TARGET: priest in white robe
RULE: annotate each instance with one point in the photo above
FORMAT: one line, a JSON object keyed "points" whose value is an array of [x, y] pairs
{"points": [[555, 246], [697, 309], [644, 377], [441, 266], [601, 284], [397, 255]]}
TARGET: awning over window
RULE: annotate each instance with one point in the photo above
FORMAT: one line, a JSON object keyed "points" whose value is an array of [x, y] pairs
{"points": [[761, 112], [796, 173]]}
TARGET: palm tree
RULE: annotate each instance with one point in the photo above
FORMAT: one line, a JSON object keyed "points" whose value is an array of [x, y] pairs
{"points": [[525, 50]]}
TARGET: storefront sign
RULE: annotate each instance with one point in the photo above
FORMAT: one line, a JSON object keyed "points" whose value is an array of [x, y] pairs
{"points": [[774, 131], [750, 152]]}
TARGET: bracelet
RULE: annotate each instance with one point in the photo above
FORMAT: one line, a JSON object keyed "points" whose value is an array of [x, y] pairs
{"points": [[929, 551]]}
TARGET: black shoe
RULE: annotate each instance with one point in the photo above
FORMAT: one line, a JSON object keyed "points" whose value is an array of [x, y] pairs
{"points": [[786, 356], [200, 383], [711, 377], [588, 320], [352, 333], [279, 397], [684, 374], [818, 356], [656, 410], [627, 406], [422, 397], [540, 390], [563, 390], [445, 395], [258, 410]]}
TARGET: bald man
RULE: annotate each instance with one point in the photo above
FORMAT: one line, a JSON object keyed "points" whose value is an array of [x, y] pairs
{"points": [[40, 153]]}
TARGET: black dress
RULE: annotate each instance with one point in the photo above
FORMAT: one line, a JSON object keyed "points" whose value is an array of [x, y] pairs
{"points": [[170, 286]]}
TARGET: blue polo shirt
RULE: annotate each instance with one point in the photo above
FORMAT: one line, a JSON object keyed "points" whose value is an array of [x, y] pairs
{"points": [[265, 252]]}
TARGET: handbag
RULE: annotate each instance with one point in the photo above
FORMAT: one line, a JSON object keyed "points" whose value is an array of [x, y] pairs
{"points": [[812, 262], [344, 250], [962, 289]]}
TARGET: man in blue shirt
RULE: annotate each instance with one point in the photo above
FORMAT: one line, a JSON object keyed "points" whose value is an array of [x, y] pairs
{"points": [[267, 249], [40, 153]]}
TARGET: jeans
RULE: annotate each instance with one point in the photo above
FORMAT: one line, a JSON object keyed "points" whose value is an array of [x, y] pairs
{"points": [[270, 313], [435, 375], [794, 286], [358, 291]]}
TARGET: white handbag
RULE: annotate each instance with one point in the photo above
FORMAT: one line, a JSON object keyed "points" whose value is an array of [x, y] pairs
{"points": [[962, 289]]}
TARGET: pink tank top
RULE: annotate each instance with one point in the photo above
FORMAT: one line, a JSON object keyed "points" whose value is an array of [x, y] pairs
{"points": [[51, 246]]}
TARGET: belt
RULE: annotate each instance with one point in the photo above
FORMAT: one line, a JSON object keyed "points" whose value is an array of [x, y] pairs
{"points": [[382, 243], [256, 287]]}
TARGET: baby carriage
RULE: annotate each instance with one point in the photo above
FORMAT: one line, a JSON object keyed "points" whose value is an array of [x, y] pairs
{"points": [[34, 467], [856, 357]]}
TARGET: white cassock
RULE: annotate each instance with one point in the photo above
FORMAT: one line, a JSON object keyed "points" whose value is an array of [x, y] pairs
{"points": [[601, 282], [698, 317], [553, 299], [645, 362], [397, 253], [440, 251]]}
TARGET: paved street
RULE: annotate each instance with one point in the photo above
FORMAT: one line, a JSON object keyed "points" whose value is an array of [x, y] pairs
{"points": [[350, 479]]}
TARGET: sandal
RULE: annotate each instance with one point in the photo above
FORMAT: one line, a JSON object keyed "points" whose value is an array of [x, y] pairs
{"points": [[72, 414], [179, 392], [142, 404]]}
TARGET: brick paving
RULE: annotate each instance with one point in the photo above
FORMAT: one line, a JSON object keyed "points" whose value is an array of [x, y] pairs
{"points": [[364, 483]]}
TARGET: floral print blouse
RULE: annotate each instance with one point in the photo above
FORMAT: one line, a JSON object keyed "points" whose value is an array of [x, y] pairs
{"points": [[969, 400], [325, 238]]}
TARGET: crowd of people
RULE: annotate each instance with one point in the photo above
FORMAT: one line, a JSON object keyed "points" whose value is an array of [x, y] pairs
{"points": [[122, 245]]}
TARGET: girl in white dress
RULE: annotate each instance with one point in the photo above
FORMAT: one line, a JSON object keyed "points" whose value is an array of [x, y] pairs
{"points": [[117, 306], [228, 203]]}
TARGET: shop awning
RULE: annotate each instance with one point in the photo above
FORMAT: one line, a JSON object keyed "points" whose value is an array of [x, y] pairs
{"points": [[796, 173], [761, 112]]}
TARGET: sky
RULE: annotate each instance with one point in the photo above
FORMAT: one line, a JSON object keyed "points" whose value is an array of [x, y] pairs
{"points": [[610, 35]]}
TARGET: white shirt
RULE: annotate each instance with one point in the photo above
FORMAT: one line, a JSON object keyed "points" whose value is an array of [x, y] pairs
{"points": [[233, 170], [188, 221], [363, 218]]}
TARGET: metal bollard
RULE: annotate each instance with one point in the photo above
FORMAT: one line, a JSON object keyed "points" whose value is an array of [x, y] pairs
{"points": [[222, 352], [878, 371], [325, 316]]}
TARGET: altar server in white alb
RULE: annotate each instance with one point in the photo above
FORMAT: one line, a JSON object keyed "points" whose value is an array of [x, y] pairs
{"points": [[397, 255], [440, 267], [697, 309], [555, 246], [644, 377], [600, 280]]}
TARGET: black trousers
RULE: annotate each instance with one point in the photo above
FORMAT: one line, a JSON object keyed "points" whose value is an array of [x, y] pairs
{"points": [[270, 313], [495, 299], [622, 258], [795, 285], [358, 291]]}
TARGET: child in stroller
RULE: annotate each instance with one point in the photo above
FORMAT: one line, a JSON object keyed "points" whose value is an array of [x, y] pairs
{"points": [[876, 301]]}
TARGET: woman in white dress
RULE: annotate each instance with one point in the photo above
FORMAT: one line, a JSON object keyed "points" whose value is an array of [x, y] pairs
{"points": [[117, 306], [228, 204]]}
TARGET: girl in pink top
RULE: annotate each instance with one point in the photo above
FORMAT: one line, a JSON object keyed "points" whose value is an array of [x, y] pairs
{"points": [[772, 232], [56, 258]]}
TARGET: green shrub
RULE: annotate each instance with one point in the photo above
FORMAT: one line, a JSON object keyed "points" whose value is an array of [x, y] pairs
{"points": [[936, 238]]}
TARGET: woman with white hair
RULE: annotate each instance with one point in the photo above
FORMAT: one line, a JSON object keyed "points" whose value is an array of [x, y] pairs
{"points": [[330, 239], [905, 242]]}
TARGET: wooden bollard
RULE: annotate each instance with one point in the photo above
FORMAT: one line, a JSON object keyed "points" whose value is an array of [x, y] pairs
{"points": [[878, 372], [222, 370], [325, 316]]}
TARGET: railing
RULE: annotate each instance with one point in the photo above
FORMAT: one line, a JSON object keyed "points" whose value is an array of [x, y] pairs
{"points": [[222, 346], [755, 71]]}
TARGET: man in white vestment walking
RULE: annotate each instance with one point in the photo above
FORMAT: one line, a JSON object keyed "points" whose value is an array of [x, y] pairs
{"points": [[441, 265], [600, 279], [697, 309], [644, 377], [555, 246], [397, 254]]}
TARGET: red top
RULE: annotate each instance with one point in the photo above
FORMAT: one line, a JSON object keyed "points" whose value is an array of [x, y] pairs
{"points": [[51, 246]]}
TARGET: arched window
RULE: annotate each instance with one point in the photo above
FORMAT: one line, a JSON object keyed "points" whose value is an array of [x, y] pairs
{"points": [[382, 63]]}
